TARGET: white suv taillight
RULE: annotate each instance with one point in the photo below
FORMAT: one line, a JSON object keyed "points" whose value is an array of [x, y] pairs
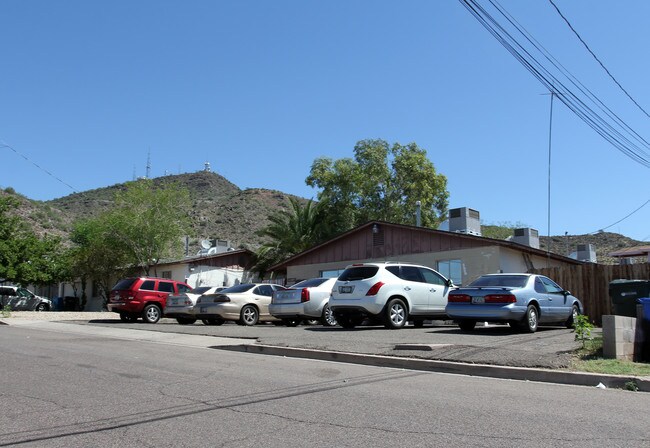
{"points": [[374, 289]]}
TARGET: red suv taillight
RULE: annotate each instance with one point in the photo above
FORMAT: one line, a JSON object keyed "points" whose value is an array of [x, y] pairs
{"points": [[375, 289], [500, 298], [458, 298], [304, 295]]}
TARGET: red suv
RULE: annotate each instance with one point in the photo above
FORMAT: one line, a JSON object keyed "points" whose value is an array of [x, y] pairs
{"points": [[143, 297]]}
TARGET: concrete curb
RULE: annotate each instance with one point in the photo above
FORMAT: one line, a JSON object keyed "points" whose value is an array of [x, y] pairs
{"points": [[457, 368]]}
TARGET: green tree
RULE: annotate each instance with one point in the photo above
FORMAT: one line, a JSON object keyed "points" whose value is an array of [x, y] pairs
{"points": [[94, 256], [290, 232], [148, 222], [25, 258], [382, 182]]}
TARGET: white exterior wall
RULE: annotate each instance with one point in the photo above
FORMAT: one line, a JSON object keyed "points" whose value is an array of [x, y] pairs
{"points": [[476, 262], [212, 276], [179, 272], [513, 261]]}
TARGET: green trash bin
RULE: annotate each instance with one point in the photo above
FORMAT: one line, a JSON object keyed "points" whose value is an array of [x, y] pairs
{"points": [[624, 295]]}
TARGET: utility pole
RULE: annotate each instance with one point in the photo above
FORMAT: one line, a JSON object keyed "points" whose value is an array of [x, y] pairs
{"points": [[548, 233]]}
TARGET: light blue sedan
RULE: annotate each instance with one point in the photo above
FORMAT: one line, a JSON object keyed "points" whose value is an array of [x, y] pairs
{"points": [[522, 300]]}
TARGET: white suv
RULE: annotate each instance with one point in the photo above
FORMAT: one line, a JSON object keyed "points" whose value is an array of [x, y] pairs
{"points": [[392, 292]]}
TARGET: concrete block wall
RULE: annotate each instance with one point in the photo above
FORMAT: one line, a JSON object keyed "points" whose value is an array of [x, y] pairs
{"points": [[619, 337]]}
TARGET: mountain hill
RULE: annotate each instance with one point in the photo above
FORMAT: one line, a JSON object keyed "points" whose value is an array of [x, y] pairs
{"points": [[221, 210]]}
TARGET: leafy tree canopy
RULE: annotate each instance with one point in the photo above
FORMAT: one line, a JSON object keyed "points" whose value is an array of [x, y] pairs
{"points": [[25, 258], [148, 222], [382, 182]]}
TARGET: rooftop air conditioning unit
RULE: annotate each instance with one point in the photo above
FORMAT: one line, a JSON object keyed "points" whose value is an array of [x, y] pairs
{"points": [[527, 237], [465, 220], [586, 252], [214, 246]]}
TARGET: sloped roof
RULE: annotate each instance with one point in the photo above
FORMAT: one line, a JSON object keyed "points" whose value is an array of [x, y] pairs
{"points": [[460, 236], [199, 258], [637, 251]]}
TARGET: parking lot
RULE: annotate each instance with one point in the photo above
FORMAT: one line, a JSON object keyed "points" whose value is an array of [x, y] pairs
{"points": [[549, 347]]}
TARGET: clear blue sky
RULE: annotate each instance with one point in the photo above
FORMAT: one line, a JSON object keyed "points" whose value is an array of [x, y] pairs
{"points": [[262, 88]]}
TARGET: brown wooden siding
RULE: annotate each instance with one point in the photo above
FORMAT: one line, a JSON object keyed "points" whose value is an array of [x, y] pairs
{"points": [[397, 241], [590, 283]]}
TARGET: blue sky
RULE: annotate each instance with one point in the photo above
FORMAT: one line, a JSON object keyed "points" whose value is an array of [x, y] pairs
{"points": [[262, 88]]}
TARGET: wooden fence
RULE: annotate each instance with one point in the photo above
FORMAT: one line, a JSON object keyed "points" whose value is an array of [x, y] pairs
{"points": [[590, 283]]}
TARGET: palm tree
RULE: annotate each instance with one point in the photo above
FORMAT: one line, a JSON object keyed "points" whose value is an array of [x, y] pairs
{"points": [[291, 232]]}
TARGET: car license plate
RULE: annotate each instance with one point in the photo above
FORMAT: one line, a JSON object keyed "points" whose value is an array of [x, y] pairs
{"points": [[478, 299], [204, 309], [346, 289]]}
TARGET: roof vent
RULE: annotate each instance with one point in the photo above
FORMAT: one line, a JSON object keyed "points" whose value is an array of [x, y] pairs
{"points": [[586, 252], [465, 220], [527, 237]]}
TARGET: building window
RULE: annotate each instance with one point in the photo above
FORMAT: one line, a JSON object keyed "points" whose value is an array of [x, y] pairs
{"points": [[452, 269], [166, 274], [333, 273]]}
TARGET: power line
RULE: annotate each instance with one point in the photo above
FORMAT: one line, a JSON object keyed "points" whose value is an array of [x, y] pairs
{"points": [[622, 219], [609, 126], [4, 145], [597, 59]]}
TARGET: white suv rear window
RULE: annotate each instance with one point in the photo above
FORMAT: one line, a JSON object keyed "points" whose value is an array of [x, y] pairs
{"points": [[358, 273]]}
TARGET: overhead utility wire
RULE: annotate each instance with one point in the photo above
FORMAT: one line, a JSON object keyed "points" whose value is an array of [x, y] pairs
{"points": [[622, 219], [570, 99], [597, 59], [602, 127], [575, 81], [4, 145]]}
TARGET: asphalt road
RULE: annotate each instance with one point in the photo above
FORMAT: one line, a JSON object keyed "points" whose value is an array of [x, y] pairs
{"points": [[73, 390], [549, 347]]}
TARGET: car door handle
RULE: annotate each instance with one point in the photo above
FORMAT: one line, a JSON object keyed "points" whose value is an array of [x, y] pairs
{"points": [[407, 288], [432, 290]]}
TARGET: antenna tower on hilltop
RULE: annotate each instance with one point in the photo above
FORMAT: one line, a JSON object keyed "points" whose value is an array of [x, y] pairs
{"points": [[148, 175]]}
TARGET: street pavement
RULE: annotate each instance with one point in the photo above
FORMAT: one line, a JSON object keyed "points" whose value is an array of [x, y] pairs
{"points": [[491, 350]]}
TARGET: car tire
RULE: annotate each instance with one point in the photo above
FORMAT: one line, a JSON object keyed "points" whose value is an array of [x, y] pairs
{"points": [[531, 320], [151, 313], [291, 322], [215, 321], [185, 320], [42, 307], [575, 312], [467, 325], [395, 314], [328, 319], [249, 315]]}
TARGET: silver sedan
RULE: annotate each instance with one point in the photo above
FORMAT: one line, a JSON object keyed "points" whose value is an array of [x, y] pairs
{"points": [[181, 306], [522, 300], [306, 300]]}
